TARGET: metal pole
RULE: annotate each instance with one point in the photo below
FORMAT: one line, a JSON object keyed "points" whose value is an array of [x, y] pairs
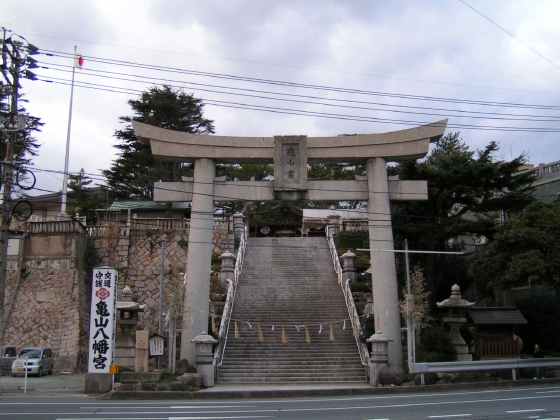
{"points": [[8, 175], [25, 380], [162, 267], [409, 327], [68, 131]]}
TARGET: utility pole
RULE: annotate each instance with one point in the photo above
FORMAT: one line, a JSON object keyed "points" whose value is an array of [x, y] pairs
{"points": [[68, 131], [410, 324], [7, 172], [161, 284]]}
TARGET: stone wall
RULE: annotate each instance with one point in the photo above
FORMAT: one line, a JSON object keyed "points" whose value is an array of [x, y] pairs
{"points": [[46, 297], [136, 253], [49, 281]]}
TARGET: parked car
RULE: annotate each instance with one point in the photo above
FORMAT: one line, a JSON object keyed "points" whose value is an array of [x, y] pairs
{"points": [[37, 360], [7, 357]]}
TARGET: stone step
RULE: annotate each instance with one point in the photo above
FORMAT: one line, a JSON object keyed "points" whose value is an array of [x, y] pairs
{"points": [[290, 281], [264, 361], [235, 379], [287, 372]]}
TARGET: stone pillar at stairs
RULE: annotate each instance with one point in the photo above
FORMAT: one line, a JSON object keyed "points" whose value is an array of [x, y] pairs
{"points": [[199, 255], [238, 227], [227, 268], [384, 273], [348, 265]]}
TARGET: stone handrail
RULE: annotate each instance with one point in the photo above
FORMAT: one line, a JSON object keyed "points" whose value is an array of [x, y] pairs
{"points": [[230, 299], [348, 298]]}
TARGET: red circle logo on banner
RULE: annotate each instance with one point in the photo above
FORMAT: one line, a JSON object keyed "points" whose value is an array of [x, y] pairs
{"points": [[102, 293]]}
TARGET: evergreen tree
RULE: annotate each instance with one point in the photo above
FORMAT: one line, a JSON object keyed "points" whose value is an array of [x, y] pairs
{"points": [[468, 193], [18, 64], [80, 197], [525, 251], [134, 171]]}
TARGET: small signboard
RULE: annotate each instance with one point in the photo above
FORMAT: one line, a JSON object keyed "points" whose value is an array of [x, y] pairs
{"points": [[156, 345], [102, 320]]}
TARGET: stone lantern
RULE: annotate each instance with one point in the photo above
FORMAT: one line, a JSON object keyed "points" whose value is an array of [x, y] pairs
{"points": [[379, 356], [128, 316], [204, 355], [456, 308]]}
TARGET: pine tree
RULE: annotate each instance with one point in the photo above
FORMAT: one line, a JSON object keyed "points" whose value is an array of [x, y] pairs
{"points": [[134, 171], [80, 197]]}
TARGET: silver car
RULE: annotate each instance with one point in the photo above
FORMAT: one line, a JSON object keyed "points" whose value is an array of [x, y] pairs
{"points": [[36, 360]]}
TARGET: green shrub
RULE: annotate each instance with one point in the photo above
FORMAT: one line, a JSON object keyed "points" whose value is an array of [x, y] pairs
{"points": [[435, 345]]}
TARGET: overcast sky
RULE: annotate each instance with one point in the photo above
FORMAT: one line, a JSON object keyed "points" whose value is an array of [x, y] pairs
{"points": [[438, 48]]}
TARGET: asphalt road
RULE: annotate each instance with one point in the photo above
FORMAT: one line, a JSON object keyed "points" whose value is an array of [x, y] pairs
{"points": [[537, 402]]}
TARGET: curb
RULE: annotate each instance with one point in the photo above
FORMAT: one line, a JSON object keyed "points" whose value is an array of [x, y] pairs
{"points": [[317, 392]]}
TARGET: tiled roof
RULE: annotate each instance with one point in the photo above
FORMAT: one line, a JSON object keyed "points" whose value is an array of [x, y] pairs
{"points": [[497, 316]]}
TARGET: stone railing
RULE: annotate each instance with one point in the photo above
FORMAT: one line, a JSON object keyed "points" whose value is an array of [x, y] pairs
{"points": [[108, 230], [550, 169], [165, 224], [349, 299], [230, 299], [53, 227]]}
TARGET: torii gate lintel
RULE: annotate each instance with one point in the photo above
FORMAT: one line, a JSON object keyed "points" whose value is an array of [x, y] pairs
{"points": [[290, 155]]}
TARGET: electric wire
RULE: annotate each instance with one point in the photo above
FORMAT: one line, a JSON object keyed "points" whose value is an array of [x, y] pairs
{"points": [[226, 76], [293, 111], [204, 87], [510, 34]]}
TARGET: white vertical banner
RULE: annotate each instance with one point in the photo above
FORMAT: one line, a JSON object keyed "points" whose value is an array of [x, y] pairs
{"points": [[102, 319]]}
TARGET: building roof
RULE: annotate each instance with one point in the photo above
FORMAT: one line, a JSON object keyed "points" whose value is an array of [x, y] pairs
{"points": [[497, 316], [147, 205], [355, 214]]}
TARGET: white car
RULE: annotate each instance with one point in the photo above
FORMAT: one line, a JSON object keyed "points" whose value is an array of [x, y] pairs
{"points": [[36, 360]]}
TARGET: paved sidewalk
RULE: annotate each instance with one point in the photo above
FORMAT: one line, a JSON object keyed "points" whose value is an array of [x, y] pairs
{"points": [[72, 384]]}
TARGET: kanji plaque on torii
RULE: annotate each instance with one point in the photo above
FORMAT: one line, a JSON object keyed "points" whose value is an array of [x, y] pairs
{"points": [[290, 155]]}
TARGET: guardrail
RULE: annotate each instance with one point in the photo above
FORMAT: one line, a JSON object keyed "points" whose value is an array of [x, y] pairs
{"points": [[481, 365], [348, 298], [230, 299]]}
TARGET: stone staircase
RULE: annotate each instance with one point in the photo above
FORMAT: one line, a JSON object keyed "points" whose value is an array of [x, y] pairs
{"points": [[289, 281]]}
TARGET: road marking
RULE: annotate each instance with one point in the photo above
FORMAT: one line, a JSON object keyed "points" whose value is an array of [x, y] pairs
{"points": [[446, 416], [163, 418], [234, 401], [530, 410], [378, 419], [548, 392], [221, 417], [180, 407], [303, 410]]}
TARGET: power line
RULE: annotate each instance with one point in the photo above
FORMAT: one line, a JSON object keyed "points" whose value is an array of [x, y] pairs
{"points": [[376, 75], [510, 34], [194, 85], [226, 76], [408, 216], [238, 184], [300, 112]]}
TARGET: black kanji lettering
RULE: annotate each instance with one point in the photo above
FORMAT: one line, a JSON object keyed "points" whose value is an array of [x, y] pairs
{"points": [[102, 332], [101, 322], [101, 309]]}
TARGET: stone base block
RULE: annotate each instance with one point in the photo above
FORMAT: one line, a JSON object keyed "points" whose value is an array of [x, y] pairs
{"points": [[98, 383]]}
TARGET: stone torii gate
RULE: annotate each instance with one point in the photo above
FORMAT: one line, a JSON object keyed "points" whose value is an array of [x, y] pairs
{"points": [[290, 155]]}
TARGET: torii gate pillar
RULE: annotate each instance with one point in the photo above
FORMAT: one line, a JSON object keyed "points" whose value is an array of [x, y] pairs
{"points": [[290, 155], [199, 255], [384, 283]]}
